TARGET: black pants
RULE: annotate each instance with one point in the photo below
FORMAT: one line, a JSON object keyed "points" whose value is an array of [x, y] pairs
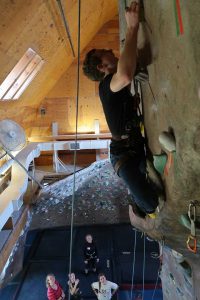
{"points": [[133, 172], [91, 264]]}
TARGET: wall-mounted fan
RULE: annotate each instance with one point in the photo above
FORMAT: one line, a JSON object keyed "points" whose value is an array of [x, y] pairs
{"points": [[12, 138]]}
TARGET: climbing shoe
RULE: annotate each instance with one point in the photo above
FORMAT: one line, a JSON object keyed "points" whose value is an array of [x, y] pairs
{"points": [[152, 216], [137, 211]]}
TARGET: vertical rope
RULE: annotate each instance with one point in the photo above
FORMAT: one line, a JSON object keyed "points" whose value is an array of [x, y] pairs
{"points": [[161, 245], [152, 93], [156, 284], [76, 130], [143, 269], [133, 269]]}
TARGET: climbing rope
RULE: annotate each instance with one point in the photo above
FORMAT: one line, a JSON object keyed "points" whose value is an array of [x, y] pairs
{"points": [[133, 268], [143, 269], [75, 151], [161, 245], [154, 291]]}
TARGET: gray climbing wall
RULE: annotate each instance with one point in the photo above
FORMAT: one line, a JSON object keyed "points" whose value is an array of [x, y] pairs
{"points": [[172, 103], [176, 276]]}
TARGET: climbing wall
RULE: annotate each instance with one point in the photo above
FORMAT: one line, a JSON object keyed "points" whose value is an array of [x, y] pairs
{"points": [[171, 34], [176, 276]]}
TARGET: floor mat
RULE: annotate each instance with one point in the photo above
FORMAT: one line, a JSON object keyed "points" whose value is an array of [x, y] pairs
{"points": [[49, 253]]}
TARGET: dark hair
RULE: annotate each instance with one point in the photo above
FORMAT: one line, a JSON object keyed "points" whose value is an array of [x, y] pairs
{"points": [[100, 275], [90, 64]]}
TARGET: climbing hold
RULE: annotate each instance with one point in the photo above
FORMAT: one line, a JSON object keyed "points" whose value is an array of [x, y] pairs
{"points": [[159, 162], [172, 278], [167, 141], [187, 268], [185, 221], [170, 160], [188, 281], [163, 162], [154, 177], [179, 292]]}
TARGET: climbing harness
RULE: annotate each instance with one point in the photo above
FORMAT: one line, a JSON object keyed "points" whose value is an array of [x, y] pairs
{"points": [[132, 138], [192, 240]]}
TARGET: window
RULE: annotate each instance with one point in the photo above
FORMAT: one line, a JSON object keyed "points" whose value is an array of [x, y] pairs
{"points": [[21, 76]]}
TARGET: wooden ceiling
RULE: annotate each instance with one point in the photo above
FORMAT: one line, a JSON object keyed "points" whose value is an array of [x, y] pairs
{"points": [[37, 24]]}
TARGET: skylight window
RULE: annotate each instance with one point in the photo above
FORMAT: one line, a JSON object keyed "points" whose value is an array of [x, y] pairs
{"points": [[21, 75]]}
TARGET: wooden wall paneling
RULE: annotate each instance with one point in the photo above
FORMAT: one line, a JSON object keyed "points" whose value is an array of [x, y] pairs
{"points": [[60, 102], [90, 107], [35, 23]]}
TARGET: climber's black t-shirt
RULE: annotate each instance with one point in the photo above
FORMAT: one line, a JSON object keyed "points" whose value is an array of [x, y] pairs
{"points": [[120, 110]]}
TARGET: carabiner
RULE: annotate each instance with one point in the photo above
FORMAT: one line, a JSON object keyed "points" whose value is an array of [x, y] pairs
{"points": [[190, 215], [192, 243]]}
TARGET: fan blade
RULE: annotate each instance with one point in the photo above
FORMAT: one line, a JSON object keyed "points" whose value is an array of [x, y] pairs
{"points": [[12, 136]]}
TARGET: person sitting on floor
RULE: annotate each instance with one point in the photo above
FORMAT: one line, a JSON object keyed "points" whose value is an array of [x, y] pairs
{"points": [[54, 289], [90, 254]]}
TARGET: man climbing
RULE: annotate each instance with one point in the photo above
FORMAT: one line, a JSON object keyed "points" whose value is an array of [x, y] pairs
{"points": [[127, 146]]}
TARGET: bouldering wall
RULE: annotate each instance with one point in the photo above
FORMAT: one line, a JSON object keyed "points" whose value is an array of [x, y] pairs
{"points": [[100, 198], [171, 103]]}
